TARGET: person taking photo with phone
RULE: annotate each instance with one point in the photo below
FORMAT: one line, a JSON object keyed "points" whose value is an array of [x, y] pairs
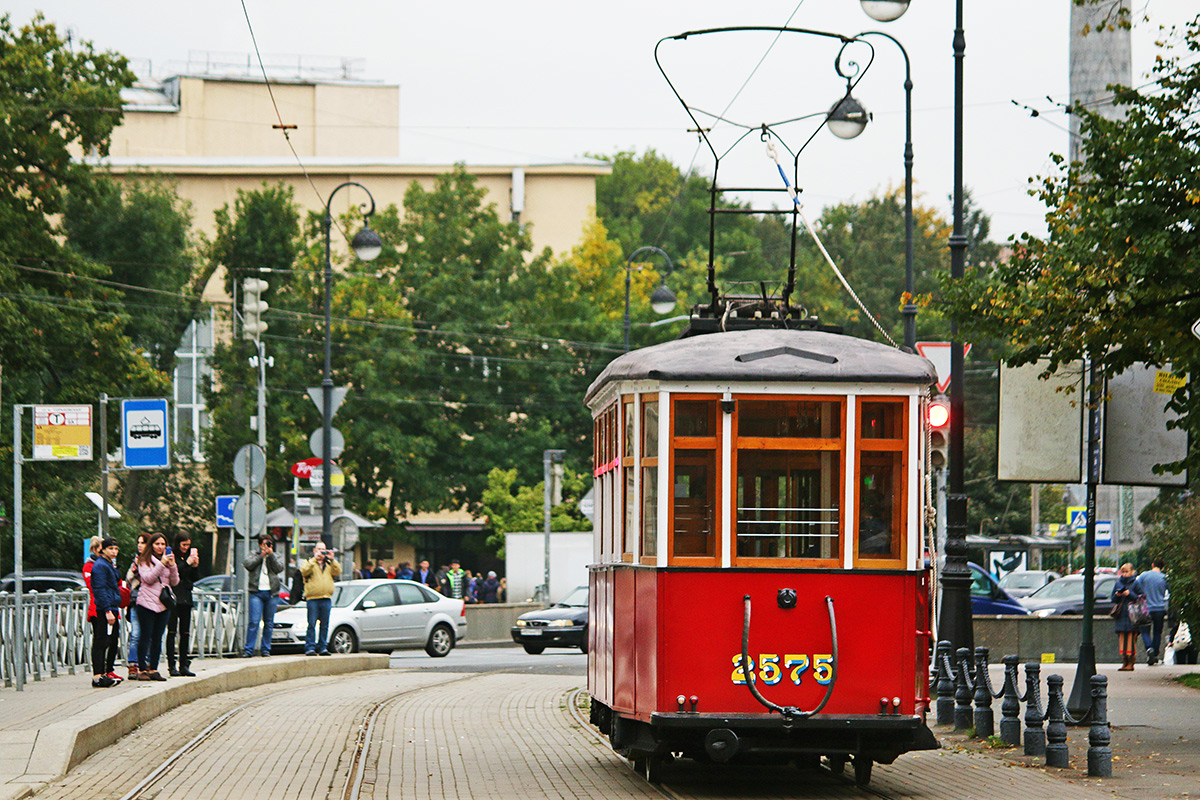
{"points": [[179, 619], [157, 571], [265, 570]]}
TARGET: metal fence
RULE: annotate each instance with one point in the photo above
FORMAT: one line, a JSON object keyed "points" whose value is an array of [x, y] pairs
{"points": [[58, 637]]}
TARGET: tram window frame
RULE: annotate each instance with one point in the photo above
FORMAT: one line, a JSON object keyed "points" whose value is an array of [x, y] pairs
{"points": [[788, 444], [627, 491], [649, 489], [682, 452], [868, 447]]}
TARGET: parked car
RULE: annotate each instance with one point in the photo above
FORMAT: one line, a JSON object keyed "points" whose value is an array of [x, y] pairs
{"points": [[380, 615], [1025, 582], [987, 597], [224, 583], [564, 624], [45, 580], [1065, 596]]}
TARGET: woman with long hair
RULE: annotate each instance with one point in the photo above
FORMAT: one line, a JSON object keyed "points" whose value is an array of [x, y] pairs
{"points": [[135, 628], [1122, 596], [156, 569]]}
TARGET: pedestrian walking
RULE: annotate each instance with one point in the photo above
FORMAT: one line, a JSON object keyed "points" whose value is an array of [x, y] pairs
{"points": [[265, 569], [157, 571], [106, 622], [135, 627], [1122, 596], [319, 573], [1153, 585], [179, 618]]}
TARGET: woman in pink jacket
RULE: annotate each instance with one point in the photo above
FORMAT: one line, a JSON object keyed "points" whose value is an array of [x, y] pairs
{"points": [[156, 569]]}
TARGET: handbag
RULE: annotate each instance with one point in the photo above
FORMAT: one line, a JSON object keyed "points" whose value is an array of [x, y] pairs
{"points": [[1117, 610], [1183, 637], [167, 596], [125, 593], [1139, 612]]}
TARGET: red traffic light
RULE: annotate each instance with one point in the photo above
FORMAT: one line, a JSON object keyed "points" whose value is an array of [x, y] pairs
{"points": [[938, 414]]}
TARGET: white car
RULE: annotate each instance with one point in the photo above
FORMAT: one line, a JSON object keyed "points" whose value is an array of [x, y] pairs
{"points": [[380, 615]]}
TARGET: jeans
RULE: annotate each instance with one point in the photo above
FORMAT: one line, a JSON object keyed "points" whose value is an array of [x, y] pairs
{"points": [[179, 619], [318, 611], [1152, 634], [154, 625], [135, 635], [262, 608]]}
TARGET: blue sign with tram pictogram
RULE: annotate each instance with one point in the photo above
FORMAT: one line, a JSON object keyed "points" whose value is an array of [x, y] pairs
{"points": [[144, 440]]}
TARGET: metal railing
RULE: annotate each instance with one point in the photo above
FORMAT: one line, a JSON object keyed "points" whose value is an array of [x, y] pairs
{"points": [[58, 637]]}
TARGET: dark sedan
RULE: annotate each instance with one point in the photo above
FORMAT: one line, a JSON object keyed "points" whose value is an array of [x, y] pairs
{"points": [[564, 624], [1065, 596]]}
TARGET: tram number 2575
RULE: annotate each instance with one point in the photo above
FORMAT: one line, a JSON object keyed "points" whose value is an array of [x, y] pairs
{"points": [[771, 669]]}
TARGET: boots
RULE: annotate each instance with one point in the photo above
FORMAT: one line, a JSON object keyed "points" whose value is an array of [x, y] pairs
{"points": [[174, 673], [1127, 662]]}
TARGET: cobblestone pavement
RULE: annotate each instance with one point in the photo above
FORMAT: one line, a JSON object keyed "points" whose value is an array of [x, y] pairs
{"points": [[443, 735]]}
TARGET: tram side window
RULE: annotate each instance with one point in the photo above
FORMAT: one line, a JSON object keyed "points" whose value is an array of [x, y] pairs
{"points": [[880, 480], [694, 479], [649, 465], [628, 473]]}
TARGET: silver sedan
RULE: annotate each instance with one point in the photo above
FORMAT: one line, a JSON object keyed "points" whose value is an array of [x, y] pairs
{"points": [[380, 615]]}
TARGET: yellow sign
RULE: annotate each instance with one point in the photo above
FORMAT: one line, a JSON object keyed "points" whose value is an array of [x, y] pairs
{"points": [[1047, 658], [62, 433], [1168, 382]]}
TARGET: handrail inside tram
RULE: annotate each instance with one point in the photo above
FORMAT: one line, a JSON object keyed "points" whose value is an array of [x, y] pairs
{"points": [[789, 712]]}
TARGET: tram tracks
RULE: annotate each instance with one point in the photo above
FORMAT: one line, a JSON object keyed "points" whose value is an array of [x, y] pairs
{"points": [[356, 770]]}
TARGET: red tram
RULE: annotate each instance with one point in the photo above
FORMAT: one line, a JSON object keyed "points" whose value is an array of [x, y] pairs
{"points": [[759, 587]]}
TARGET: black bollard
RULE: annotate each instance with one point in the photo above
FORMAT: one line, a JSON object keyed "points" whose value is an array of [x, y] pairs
{"points": [[1099, 756], [985, 721], [1056, 730], [1035, 737], [963, 689], [944, 685], [1010, 706]]}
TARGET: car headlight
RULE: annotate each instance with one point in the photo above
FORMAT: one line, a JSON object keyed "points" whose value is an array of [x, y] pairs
{"points": [[1045, 612], [560, 623], [521, 623]]}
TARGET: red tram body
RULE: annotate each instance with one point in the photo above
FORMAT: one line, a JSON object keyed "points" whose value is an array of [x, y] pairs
{"points": [[765, 484]]}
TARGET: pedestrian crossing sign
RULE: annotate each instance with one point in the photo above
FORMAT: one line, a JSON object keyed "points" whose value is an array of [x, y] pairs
{"points": [[1077, 518]]}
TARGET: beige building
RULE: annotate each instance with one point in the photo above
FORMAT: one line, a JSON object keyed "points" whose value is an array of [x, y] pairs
{"points": [[214, 135]]}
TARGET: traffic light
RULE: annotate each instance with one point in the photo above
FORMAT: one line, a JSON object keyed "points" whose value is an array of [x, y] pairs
{"points": [[937, 414], [253, 307]]}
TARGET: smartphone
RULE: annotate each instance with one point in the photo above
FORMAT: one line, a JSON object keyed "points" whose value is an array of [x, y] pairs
{"points": [[168, 551]]}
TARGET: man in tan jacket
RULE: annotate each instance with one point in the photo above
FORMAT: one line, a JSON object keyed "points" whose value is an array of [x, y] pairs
{"points": [[319, 573]]}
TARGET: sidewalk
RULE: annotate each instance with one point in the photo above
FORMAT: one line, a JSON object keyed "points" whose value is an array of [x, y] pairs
{"points": [[55, 724], [1155, 725]]}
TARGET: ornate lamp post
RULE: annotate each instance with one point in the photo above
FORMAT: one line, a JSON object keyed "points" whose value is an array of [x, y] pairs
{"points": [[366, 245], [662, 300]]}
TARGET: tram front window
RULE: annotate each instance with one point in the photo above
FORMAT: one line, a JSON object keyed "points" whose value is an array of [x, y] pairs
{"points": [[787, 504]]}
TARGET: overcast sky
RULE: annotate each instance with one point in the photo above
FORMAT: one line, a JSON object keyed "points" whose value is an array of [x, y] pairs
{"points": [[546, 80]]}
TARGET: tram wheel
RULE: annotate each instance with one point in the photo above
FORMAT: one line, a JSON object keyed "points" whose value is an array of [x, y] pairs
{"points": [[837, 763], [655, 766], [639, 765], [862, 770]]}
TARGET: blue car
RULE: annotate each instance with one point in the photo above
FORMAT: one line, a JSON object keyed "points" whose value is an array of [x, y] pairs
{"points": [[988, 598]]}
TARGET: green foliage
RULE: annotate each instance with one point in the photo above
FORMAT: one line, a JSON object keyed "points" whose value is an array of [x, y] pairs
{"points": [[1115, 277], [511, 508], [260, 234], [1172, 534], [142, 233]]}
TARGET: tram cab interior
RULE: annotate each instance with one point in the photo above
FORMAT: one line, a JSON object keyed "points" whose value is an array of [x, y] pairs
{"points": [[734, 471]]}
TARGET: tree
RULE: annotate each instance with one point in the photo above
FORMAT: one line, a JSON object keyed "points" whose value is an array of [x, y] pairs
{"points": [[142, 232], [258, 236], [510, 508], [1171, 535], [1115, 277]]}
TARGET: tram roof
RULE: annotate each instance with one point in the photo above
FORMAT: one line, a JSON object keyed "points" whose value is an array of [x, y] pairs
{"points": [[768, 355]]}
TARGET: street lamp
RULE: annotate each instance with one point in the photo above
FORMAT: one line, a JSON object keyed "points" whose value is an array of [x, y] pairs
{"points": [[954, 622], [661, 301], [366, 245]]}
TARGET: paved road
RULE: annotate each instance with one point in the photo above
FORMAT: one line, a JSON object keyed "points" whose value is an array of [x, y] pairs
{"points": [[478, 724]]}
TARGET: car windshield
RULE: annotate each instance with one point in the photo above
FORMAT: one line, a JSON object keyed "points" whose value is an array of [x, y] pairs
{"points": [[1061, 589], [578, 598], [345, 595], [1022, 580]]}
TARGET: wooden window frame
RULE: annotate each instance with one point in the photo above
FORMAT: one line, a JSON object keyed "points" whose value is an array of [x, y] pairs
{"points": [[900, 500], [787, 443], [712, 443], [628, 462], [648, 462]]}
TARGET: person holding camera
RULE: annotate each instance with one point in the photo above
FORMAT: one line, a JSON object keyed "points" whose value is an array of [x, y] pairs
{"points": [[156, 570], [319, 573], [265, 569]]}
